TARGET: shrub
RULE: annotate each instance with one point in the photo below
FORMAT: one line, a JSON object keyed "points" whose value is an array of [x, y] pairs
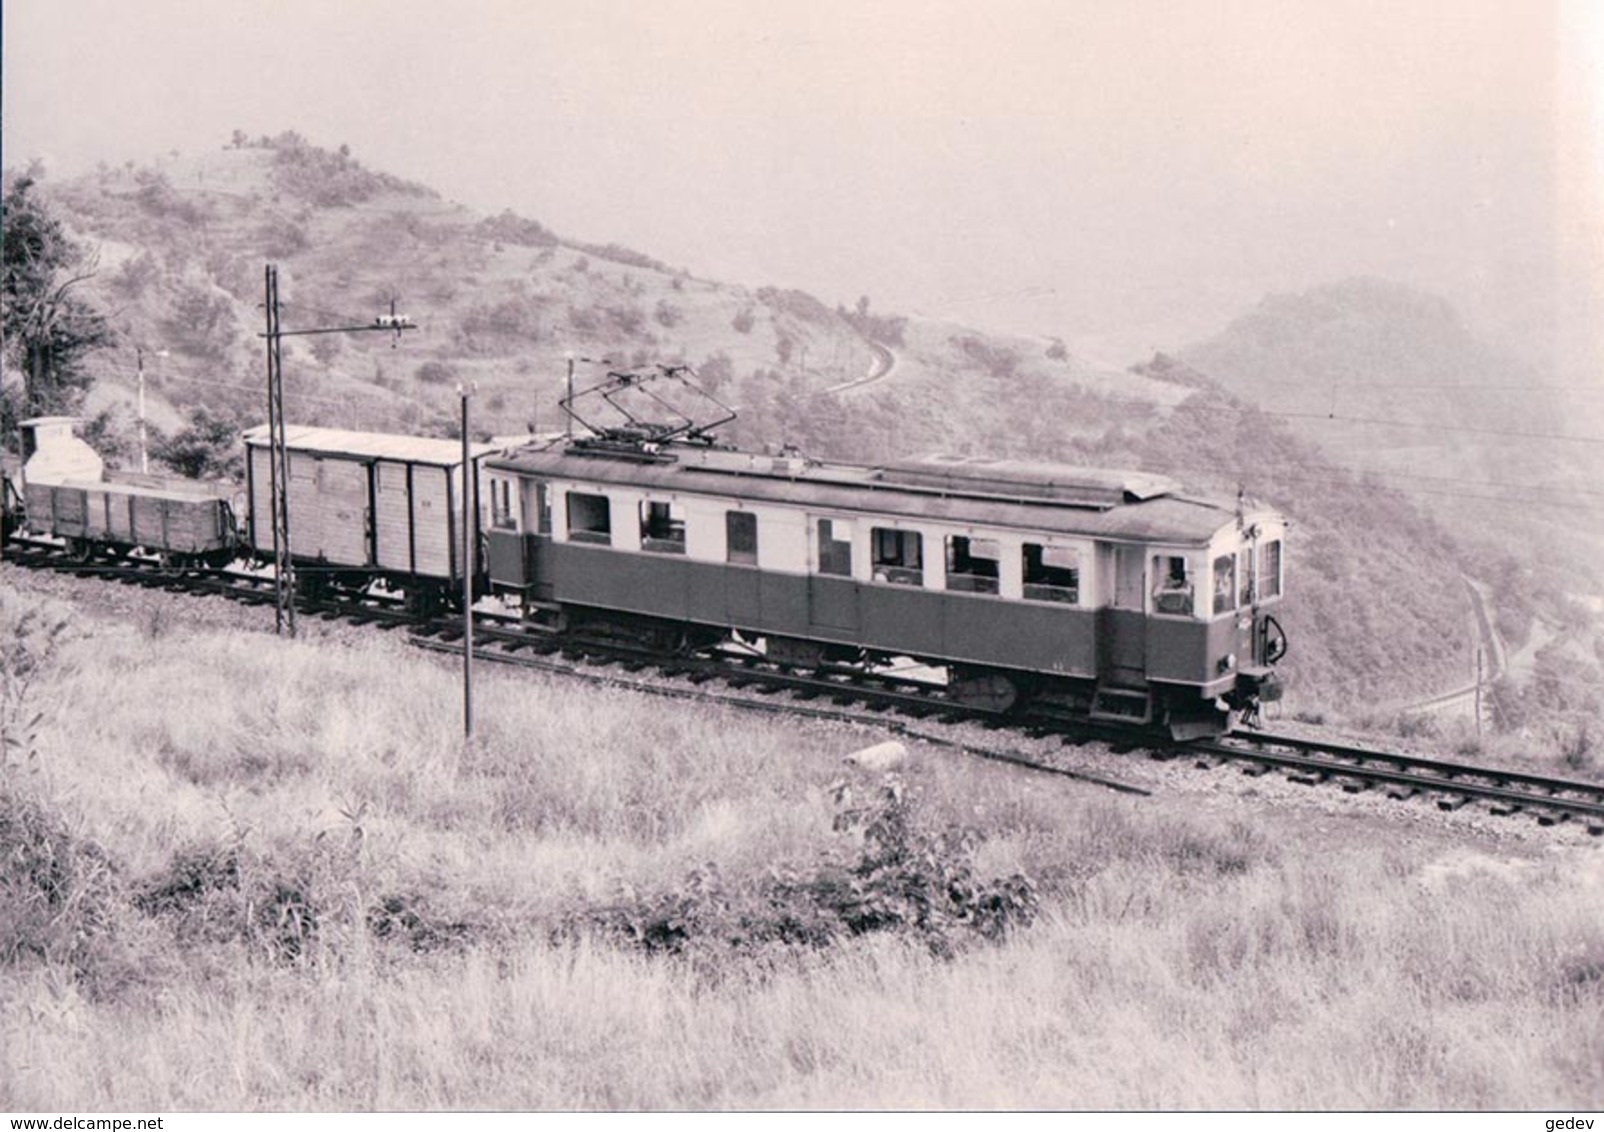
{"points": [[626, 318], [903, 879], [999, 361], [204, 321], [58, 893], [1576, 748], [206, 448], [329, 179], [510, 228], [617, 253], [798, 304], [135, 275], [219, 893], [667, 314], [435, 373]]}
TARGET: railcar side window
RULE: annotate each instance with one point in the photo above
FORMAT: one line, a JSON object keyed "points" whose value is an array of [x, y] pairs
{"points": [[835, 547], [1224, 583], [1172, 588], [590, 519], [543, 508], [973, 564], [1270, 569], [1052, 573], [740, 536], [897, 556], [662, 527]]}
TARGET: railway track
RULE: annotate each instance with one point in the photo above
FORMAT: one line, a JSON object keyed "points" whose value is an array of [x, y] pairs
{"points": [[891, 701], [879, 702], [1404, 776]]}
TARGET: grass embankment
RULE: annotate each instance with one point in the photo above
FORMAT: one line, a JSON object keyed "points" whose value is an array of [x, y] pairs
{"points": [[239, 872]]}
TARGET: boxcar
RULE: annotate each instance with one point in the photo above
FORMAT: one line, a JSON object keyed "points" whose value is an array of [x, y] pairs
{"points": [[365, 505]]}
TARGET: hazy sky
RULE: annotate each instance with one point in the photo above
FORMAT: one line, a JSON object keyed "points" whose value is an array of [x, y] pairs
{"points": [[1123, 174]]}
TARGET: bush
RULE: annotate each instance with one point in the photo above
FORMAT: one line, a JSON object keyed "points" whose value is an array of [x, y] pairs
{"points": [[435, 373], [798, 304], [903, 879], [58, 893], [218, 894], [204, 322], [510, 228], [207, 448], [626, 318], [667, 314], [329, 178], [999, 361], [617, 253]]}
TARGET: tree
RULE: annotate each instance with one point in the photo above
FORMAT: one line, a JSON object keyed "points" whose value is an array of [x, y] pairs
{"points": [[49, 328], [207, 448]]}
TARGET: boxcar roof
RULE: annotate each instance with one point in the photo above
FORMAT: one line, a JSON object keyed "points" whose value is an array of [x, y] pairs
{"points": [[959, 490], [369, 445]]}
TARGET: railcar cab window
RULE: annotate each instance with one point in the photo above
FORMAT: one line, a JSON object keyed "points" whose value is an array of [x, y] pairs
{"points": [[973, 564], [536, 507], [1247, 577], [740, 537], [662, 527], [1270, 569], [590, 519], [542, 509], [835, 547], [1052, 573], [1225, 583], [897, 556], [1172, 584], [501, 516]]}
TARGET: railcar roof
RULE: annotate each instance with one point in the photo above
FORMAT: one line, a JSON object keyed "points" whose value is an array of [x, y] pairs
{"points": [[959, 490], [370, 445]]}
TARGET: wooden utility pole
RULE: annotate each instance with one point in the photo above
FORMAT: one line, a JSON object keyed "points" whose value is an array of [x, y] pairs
{"points": [[144, 460], [568, 428], [470, 515], [278, 466]]}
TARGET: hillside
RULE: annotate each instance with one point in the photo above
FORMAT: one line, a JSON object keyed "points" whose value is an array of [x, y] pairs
{"points": [[313, 896], [501, 300], [1390, 381]]}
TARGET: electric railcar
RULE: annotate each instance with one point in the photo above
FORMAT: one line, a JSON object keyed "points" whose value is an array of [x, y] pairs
{"points": [[1119, 594]]}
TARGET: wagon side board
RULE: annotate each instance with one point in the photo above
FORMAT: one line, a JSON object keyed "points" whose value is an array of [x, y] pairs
{"points": [[121, 516]]}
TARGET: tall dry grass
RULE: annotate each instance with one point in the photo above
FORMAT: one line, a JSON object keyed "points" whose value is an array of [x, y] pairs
{"points": [[265, 874]]}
